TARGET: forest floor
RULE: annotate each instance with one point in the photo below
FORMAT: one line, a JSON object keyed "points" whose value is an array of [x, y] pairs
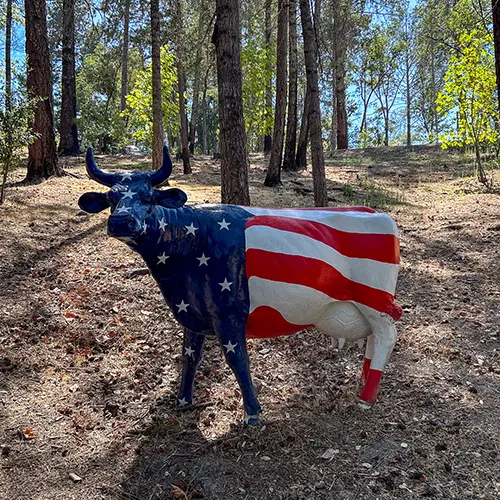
{"points": [[90, 355]]}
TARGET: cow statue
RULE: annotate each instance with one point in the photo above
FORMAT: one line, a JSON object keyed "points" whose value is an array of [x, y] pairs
{"points": [[243, 272]]}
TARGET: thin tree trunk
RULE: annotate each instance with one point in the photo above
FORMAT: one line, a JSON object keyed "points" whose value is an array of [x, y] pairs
{"points": [[273, 177], [197, 79], [301, 157], [334, 129], [182, 87], [124, 82], [42, 153], [156, 84], [310, 55], [68, 143], [496, 39], [291, 123], [234, 166], [408, 99], [269, 83], [204, 141]]}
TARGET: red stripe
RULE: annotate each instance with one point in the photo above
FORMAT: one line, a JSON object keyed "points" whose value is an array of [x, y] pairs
{"points": [[370, 390], [266, 322], [318, 275], [379, 247]]}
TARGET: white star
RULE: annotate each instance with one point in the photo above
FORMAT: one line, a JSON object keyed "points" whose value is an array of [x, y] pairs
{"points": [[189, 351], [191, 229], [123, 210], [226, 285], [126, 175], [162, 224], [203, 260], [144, 227], [162, 259], [182, 306], [129, 194], [183, 402], [230, 347], [224, 225]]}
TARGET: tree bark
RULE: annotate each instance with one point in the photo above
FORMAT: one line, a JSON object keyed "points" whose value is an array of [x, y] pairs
{"points": [[301, 157], [496, 39], [197, 79], [124, 81], [310, 55], [204, 139], [8, 63], [273, 177], [182, 87], [408, 99], [42, 154], [269, 84], [68, 142], [232, 138], [156, 84], [291, 123]]}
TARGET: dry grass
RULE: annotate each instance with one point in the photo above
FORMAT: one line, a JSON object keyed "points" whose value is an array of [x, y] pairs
{"points": [[89, 357]]}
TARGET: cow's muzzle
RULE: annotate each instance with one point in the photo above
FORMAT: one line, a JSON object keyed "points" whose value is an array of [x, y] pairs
{"points": [[123, 226]]}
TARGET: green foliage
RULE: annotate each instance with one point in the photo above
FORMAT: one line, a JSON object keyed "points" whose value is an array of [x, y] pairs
{"points": [[140, 100], [15, 134], [469, 92], [256, 74]]}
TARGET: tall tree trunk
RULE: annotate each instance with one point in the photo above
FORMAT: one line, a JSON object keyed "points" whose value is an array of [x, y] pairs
{"points": [[204, 141], [496, 39], [68, 142], [124, 82], [340, 46], [301, 157], [291, 121], [334, 128], [8, 94], [197, 79], [408, 99], [234, 166], [273, 177], [182, 86], [156, 83], [269, 83], [42, 154], [310, 55]]}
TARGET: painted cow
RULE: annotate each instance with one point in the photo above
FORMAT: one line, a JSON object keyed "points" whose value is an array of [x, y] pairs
{"points": [[244, 272]]}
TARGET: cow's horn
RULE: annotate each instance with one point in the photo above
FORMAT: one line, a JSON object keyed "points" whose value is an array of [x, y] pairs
{"points": [[95, 173], [163, 173]]}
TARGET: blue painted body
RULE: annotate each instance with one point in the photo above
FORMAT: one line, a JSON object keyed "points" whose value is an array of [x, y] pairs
{"points": [[206, 296]]}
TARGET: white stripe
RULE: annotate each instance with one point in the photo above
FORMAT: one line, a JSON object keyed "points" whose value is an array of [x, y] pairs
{"points": [[379, 275], [298, 304], [350, 222]]}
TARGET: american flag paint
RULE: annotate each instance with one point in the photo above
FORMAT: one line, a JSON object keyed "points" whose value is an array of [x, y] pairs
{"points": [[239, 272]]}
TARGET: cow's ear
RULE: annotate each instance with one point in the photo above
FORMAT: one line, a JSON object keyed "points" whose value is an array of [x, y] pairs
{"points": [[93, 202], [171, 198]]}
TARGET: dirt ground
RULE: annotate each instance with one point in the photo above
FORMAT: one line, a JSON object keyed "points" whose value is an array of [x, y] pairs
{"points": [[90, 355]]}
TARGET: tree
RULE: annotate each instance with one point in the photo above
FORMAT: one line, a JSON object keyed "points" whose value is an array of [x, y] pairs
{"points": [[234, 168], [269, 79], [182, 86], [470, 88], [156, 85], [42, 154], [291, 120], [496, 39], [68, 142], [301, 157], [273, 177], [314, 115], [125, 50]]}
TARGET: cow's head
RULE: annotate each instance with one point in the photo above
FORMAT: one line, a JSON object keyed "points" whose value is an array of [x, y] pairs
{"points": [[132, 197]]}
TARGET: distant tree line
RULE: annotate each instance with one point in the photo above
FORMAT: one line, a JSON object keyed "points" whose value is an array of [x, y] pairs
{"points": [[277, 76]]}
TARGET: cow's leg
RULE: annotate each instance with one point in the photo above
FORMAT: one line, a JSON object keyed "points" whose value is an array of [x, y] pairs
{"points": [[235, 352], [191, 356], [368, 357], [384, 338]]}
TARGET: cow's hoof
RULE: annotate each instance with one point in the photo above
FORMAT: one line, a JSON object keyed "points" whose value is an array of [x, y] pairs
{"points": [[252, 420], [364, 405]]}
